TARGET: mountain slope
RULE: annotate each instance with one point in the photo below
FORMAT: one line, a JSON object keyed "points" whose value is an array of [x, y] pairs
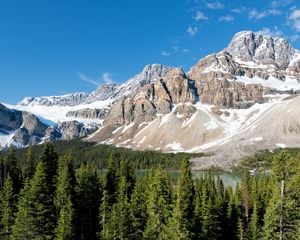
{"points": [[222, 104]]}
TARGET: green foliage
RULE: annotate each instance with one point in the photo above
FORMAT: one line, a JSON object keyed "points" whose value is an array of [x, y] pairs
{"points": [[62, 200], [180, 224], [282, 213], [29, 165], [98, 155], [49, 157], [12, 168], [7, 208], [158, 205], [64, 197], [35, 215], [138, 211], [87, 201]]}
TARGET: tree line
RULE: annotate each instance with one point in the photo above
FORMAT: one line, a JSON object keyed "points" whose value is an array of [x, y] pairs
{"points": [[49, 198], [98, 155]]}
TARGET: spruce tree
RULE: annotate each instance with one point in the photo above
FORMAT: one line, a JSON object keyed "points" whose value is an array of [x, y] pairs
{"points": [[35, 209], [104, 212], [7, 208], [138, 211], [22, 228], [180, 224], [127, 171], [13, 169], [158, 206], [111, 180], [210, 227], [279, 220], [254, 228], [119, 224], [64, 197], [87, 201], [29, 165], [245, 193], [50, 159]]}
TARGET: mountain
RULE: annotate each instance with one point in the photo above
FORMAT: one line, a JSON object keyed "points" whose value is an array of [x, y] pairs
{"points": [[222, 105]]}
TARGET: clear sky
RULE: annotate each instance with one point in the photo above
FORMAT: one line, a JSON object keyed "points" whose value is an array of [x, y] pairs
{"points": [[54, 47]]}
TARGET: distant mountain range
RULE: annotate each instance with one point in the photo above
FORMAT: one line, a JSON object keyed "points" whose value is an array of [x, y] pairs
{"points": [[231, 103]]}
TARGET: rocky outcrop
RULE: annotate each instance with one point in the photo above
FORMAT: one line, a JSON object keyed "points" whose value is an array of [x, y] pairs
{"points": [[263, 49], [72, 99], [74, 129], [152, 99], [9, 119], [103, 92], [229, 94], [165, 108], [27, 129], [89, 113]]}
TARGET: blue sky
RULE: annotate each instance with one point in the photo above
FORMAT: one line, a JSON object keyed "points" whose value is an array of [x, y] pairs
{"points": [[56, 47]]}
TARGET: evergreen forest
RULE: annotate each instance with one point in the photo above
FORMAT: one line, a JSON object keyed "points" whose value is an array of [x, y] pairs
{"points": [[55, 192]]}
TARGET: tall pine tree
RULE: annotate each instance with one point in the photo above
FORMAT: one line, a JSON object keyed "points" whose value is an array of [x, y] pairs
{"points": [[7, 208], [35, 215], [64, 197], [158, 206]]}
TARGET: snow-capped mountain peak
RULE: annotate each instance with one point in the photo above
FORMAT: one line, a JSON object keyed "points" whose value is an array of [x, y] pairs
{"points": [[262, 49]]}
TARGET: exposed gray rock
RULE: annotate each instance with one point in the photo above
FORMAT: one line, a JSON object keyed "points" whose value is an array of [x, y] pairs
{"points": [[103, 92], [52, 134], [89, 113], [74, 129], [10, 119], [33, 125], [250, 46], [150, 74], [72, 99]]}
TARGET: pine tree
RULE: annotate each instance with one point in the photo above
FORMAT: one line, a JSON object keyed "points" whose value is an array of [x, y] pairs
{"points": [[87, 202], [138, 211], [50, 159], [111, 181], [158, 206], [254, 228], [29, 166], [35, 209], [127, 171], [2, 173], [64, 197], [197, 217], [104, 212], [279, 222], [22, 228], [231, 215], [241, 230], [13, 169], [7, 208], [210, 227], [245, 193], [180, 224], [119, 224]]}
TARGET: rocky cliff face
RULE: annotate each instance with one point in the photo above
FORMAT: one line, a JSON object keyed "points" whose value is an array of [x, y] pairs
{"points": [[10, 119], [220, 99], [88, 113], [65, 100], [74, 129], [24, 128], [102, 93], [262, 49]]}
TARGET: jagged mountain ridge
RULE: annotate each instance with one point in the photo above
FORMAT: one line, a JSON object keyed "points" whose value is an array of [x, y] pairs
{"points": [[167, 109]]}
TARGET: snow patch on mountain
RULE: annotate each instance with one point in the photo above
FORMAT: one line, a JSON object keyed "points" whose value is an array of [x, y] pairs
{"points": [[289, 83]]}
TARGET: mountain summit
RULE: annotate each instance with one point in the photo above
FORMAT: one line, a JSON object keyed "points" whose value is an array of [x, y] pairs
{"points": [[221, 105]]}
